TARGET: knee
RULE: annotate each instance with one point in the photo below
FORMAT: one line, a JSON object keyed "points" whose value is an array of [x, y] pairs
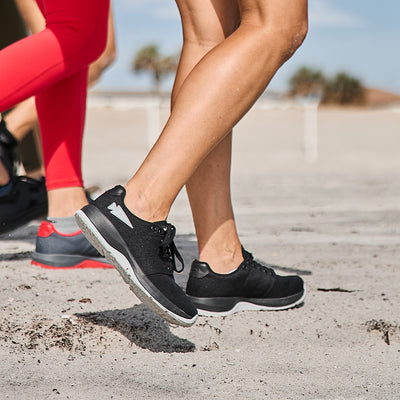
{"points": [[282, 34], [292, 38], [286, 39]]}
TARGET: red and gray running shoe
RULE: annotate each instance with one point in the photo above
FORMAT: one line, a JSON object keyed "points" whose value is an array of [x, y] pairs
{"points": [[55, 250]]}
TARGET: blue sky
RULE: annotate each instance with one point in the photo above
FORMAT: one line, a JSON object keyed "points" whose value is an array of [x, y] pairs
{"points": [[360, 37]]}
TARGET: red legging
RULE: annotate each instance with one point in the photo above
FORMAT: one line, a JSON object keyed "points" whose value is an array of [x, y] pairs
{"points": [[53, 65]]}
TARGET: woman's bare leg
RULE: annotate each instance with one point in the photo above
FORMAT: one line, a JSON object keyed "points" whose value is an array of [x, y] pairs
{"points": [[4, 177], [208, 189], [22, 119], [31, 14], [214, 97]]}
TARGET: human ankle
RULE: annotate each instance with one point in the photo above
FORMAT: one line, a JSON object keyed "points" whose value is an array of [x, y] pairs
{"points": [[65, 202], [223, 260], [4, 176], [145, 207]]}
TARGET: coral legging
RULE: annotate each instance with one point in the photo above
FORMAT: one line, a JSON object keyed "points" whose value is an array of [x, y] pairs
{"points": [[53, 65]]}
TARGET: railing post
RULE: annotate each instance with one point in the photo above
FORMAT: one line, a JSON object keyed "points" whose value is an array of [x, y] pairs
{"points": [[310, 136]]}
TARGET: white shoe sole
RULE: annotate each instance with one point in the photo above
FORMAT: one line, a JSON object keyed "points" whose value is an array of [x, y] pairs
{"points": [[245, 306]]}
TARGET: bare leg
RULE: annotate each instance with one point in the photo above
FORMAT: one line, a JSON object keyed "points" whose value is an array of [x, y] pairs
{"points": [[214, 97], [31, 15], [209, 187], [22, 119], [4, 177]]}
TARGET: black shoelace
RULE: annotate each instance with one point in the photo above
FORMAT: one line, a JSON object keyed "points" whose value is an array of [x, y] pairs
{"points": [[169, 252], [249, 262]]}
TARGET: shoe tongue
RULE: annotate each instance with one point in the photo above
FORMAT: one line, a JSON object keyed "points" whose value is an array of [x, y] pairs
{"points": [[161, 224]]}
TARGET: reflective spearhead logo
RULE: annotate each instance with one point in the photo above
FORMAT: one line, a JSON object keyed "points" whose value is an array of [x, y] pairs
{"points": [[118, 212]]}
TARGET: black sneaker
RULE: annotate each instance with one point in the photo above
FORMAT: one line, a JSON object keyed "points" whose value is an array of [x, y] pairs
{"points": [[142, 252], [8, 143], [251, 286], [55, 250], [26, 201]]}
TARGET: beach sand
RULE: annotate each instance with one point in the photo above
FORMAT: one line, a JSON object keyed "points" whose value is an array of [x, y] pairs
{"points": [[82, 334]]}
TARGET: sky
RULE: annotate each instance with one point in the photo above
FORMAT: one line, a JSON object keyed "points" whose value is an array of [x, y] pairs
{"points": [[360, 37]]}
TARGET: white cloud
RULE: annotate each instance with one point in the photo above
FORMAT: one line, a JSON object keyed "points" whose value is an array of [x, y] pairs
{"points": [[324, 13]]}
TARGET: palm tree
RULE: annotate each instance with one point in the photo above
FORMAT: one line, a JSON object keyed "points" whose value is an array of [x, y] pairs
{"points": [[307, 82], [344, 89], [341, 89], [149, 59]]}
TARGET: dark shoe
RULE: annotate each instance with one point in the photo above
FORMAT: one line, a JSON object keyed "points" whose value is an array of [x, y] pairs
{"points": [[8, 156], [55, 250], [142, 252], [251, 286], [26, 201]]}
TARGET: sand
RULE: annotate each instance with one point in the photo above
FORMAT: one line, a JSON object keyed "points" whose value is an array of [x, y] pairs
{"points": [[82, 334]]}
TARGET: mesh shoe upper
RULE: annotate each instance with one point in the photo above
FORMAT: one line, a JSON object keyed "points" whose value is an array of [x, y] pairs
{"points": [[57, 250], [249, 280], [149, 245], [49, 241], [26, 201]]}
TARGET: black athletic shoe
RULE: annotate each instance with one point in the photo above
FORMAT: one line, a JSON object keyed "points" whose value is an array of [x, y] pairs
{"points": [[8, 156], [251, 286], [55, 250], [142, 252], [26, 201]]}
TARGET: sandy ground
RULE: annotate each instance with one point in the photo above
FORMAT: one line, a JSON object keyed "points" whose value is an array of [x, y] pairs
{"points": [[82, 334]]}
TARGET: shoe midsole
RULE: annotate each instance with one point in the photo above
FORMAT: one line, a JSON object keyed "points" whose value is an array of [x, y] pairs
{"points": [[64, 260], [221, 304]]}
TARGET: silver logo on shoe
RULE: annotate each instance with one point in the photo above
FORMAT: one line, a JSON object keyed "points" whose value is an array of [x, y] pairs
{"points": [[118, 212]]}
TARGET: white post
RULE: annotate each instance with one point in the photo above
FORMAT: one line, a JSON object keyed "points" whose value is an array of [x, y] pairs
{"points": [[153, 119], [310, 141]]}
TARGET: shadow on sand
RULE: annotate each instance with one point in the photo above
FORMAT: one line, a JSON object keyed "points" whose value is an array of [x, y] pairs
{"points": [[23, 255], [141, 327]]}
